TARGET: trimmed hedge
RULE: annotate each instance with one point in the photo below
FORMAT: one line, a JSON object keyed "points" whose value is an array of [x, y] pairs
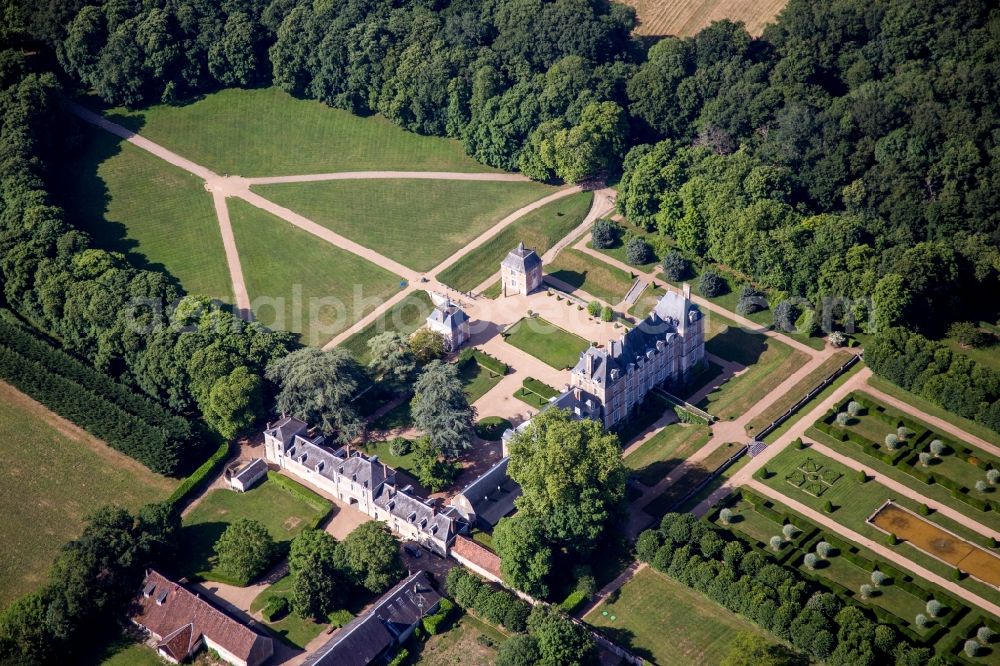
{"points": [[275, 607], [491, 363], [304, 494], [128, 422], [539, 388], [194, 482], [573, 601], [432, 623]]}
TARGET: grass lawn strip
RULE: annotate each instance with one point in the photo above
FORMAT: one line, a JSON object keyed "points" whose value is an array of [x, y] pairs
{"points": [[381, 449], [404, 317], [547, 342], [802, 388], [419, 223], [267, 132], [284, 507], [300, 283], [156, 214], [539, 230], [617, 251], [588, 273], [292, 629], [694, 475], [667, 622], [665, 450], [49, 493], [477, 380], [769, 362]]}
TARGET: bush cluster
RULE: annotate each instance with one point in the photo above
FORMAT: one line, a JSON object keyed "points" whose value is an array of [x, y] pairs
{"points": [[493, 603]]}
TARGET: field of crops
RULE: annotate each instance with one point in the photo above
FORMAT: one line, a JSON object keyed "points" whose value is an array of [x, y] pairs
{"points": [[686, 17]]}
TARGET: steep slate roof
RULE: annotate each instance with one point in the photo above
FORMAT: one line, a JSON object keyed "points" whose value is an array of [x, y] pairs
{"points": [[381, 481], [249, 472], [181, 618], [364, 638], [522, 259], [492, 495], [285, 428], [449, 314], [671, 315]]}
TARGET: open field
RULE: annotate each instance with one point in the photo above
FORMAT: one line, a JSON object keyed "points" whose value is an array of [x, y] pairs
{"points": [[684, 18], [404, 317], [282, 511], [768, 361], [590, 274], [52, 474], [667, 622], [419, 223], [159, 216], [267, 132], [808, 383], [665, 450], [546, 342], [300, 283], [940, 543], [462, 643], [291, 628], [539, 229]]}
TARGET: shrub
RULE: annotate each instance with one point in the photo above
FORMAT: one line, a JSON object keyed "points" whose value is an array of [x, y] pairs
{"points": [[573, 601], [924, 510], [837, 339], [638, 251], [993, 475], [604, 234], [934, 608], [956, 574], [339, 618], [854, 408], [776, 542], [903, 432], [866, 590], [785, 315], [400, 446], [937, 448], [675, 266], [843, 418], [789, 531], [810, 560], [892, 539], [921, 620], [750, 300], [799, 444], [828, 506], [711, 284], [725, 515], [862, 476], [401, 657], [824, 549], [968, 334], [982, 486], [925, 458], [984, 635], [607, 314], [879, 578], [433, 622], [594, 308], [891, 441], [971, 648], [275, 607]]}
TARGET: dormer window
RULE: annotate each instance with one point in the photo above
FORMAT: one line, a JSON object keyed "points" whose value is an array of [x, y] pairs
{"points": [[412, 516], [320, 465], [161, 597], [392, 504], [305, 456], [148, 590]]}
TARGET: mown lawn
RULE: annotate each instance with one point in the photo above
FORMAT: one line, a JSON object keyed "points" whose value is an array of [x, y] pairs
{"points": [[158, 215], [124, 652], [282, 511], [546, 342], [52, 474], [419, 223], [291, 628], [539, 230], [300, 283], [404, 317], [477, 380], [665, 450], [768, 361], [267, 132], [667, 622], [584, 272], [617, 251]]}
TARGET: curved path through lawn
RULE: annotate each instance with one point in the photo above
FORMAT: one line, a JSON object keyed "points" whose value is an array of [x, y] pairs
{"points": [[222, 186]]}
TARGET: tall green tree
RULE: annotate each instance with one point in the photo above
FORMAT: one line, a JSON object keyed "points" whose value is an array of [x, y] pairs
{"points": [[317, 386], [391, 357], [571, 476], [371, 556], [245, 550], [318, 585], [441, 408], [525, 556]]}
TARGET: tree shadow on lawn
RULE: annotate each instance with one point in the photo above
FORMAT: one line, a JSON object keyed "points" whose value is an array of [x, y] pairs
{"points": [[197, 548], [574, 279], [738, 346], [654, 472], [626, 638]]}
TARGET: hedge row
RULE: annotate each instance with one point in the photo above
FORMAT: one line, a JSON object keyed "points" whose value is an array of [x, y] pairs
{"points": [[539, 388], [275, 607], [149, 444], [491, 363], [432, 623], [194, 482], [305, 495], [494, 604]]}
